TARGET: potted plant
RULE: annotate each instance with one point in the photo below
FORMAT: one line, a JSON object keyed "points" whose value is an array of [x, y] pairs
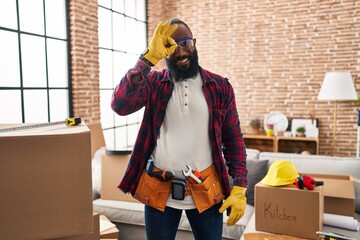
{"points": [[300, 131], [255, 125]]}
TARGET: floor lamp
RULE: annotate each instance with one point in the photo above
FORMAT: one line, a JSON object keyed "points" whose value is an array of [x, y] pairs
{"points": [[337, 86]]}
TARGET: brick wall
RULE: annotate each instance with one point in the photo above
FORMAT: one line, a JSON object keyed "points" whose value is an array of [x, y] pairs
{"points": [[276, 54], [85, 59]]}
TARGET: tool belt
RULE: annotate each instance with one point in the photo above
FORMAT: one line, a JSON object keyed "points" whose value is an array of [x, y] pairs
{"points": [[154, 192]]}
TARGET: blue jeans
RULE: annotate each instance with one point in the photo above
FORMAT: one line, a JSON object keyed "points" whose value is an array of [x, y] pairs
{"points": [[163, 225]]}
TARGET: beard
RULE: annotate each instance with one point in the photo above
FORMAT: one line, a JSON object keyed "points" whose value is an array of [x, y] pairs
{"points": [[180, 74]]}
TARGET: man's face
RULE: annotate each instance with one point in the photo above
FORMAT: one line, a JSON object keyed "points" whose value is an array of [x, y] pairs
{"points": [[183, 63]]}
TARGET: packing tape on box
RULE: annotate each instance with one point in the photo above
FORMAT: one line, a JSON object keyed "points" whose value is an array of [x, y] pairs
{"points": [[341, 221]]}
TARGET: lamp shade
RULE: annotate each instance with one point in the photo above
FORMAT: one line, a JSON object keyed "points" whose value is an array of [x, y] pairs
{"points": [[337, 86]]}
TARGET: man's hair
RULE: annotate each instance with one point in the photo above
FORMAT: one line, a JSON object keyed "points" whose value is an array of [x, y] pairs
{"points": [[178, 21]]}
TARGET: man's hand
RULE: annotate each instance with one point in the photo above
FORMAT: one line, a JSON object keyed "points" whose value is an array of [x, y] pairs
{"points": [[161, 44], [237, 202]]}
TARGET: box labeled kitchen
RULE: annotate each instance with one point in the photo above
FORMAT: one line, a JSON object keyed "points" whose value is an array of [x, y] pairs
{"points": [[288, 210]]}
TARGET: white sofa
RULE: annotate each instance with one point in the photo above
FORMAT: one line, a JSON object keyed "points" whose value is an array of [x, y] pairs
{"points": [[129, 216]]}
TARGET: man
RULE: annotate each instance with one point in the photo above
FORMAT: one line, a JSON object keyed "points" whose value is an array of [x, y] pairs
{"points": [[190, 125]]}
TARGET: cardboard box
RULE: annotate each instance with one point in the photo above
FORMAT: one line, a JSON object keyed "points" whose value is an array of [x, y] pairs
{"points": [[268, 236], [45, 182], [113, 166], [97, 138], [112, 233], [93, 235], [289, 211], [108, 233], [339, 193]]}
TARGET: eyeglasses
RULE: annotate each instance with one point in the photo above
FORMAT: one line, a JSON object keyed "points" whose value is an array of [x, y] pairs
{"points": [[185, 42]]}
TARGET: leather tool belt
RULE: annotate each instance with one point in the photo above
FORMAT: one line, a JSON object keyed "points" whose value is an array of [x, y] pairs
{"points": [[154, 192]]}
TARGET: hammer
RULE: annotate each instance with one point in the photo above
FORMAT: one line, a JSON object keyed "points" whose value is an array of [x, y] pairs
{"points": [[189, 173]]}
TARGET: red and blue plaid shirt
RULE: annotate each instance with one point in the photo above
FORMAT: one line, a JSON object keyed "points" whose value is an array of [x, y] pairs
{"points": [[154, 91]]}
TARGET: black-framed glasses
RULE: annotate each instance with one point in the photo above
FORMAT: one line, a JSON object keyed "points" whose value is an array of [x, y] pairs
{"points": [[185, 42]]}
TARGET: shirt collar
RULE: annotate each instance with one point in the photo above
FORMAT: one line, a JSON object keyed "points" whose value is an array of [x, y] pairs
{"points": [[204, 76]]}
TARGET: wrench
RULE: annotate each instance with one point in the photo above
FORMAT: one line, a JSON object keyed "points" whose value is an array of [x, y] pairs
{"points": [[189, 173]]}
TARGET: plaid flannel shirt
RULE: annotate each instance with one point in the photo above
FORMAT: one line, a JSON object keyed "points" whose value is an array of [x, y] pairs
{"points": [[154, 91]]}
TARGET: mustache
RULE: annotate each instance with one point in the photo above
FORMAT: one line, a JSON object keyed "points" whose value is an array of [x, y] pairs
{"points": [[179, 74], [180, 58]]}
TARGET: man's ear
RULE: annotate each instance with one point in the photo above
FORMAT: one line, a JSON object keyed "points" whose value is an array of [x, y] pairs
{"points": [[194, 42]]}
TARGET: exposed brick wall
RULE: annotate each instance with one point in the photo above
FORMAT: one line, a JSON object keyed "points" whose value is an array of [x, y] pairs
{"points": [[276, 54], [84, 59]]}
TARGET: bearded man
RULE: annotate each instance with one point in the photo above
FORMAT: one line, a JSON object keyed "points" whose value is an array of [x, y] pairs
{"points": [[189, 142]]}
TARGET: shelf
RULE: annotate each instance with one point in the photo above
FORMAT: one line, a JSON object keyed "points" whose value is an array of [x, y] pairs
{"points": [[260, 142], [282, 144]]}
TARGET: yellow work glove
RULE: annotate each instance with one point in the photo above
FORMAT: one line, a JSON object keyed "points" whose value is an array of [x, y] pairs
{"points": [[237, 202], [161, 44]]}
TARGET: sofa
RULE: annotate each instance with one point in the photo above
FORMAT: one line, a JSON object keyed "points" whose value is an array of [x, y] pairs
{"points": [[129, 216]]}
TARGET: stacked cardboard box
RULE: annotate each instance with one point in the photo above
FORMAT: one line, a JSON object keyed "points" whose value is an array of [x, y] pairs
{"points": [[108, 230], [45, 182], [97, 138], [113, 166], [339, 193], [93, 235]]}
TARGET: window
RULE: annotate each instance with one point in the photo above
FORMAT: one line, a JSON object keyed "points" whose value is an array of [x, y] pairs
{"points": [[122, 38], [34, 75]]}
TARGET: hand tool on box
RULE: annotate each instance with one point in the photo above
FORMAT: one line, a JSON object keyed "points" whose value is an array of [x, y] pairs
{"points": [[72, 121], [307, 182], [190, 174], [68, 121]]}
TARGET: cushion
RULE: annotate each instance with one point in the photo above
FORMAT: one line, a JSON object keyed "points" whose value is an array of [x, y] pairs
{"points": [[357, 197], [252, 154], [318, 163], [96, 172], [257, 170]]}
